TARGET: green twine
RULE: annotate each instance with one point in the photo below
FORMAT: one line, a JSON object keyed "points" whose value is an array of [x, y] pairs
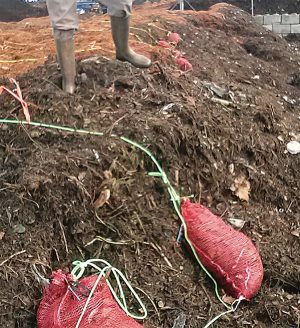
{"points": [[175, 198], [78, 272]]}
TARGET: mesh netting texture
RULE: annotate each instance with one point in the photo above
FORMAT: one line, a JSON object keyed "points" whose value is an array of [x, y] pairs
{"points": [[62, 308], [228, 254]]}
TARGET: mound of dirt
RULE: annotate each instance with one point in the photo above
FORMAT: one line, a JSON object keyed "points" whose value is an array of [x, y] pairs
{"points": [[228, 119], [16, 10]]}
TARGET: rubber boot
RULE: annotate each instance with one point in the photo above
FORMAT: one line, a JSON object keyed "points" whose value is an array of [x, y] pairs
{"points": [[66, 57], [120, 33]]}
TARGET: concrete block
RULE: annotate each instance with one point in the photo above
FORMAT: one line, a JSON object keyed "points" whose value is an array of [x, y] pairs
{"points": [[295, 29], [259, 19], [290, 19], [282, 29], [269, 27], [272, 19]]}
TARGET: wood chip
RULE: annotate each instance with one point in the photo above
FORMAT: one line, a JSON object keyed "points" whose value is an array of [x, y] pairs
{"points": [[102, 199]]}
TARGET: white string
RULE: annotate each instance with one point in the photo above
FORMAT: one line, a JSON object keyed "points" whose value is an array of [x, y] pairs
{"points": [[78, 272], [234, 307]]}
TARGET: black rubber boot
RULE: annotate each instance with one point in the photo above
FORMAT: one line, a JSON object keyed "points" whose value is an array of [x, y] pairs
{"points": [[120, 33], [66, 57]]}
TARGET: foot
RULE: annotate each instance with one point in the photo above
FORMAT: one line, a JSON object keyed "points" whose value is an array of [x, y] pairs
{"points": [[68, 87], [133, 58]]}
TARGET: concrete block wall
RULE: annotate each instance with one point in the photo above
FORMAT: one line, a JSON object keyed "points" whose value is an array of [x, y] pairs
{"points": [[281, 24]]}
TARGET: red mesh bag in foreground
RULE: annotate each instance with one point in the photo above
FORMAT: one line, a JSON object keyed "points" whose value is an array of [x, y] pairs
{"points": [[228, 254], [60, 308]]}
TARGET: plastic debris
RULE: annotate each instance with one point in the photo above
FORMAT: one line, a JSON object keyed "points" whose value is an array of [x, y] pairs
{"points": [[220, 92], [293, 147], [180, 321], [167, 109], [19, 228], [237, 223]]}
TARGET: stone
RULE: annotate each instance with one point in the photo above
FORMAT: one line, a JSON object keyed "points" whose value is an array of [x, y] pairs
{"points": [[19, 228], [295, 29], [259, 19], [281, 29], [272, 19], [290, 19], [269, 27]]}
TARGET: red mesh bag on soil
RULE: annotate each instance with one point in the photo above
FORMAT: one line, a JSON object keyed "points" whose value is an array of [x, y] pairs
{"points": [[60, 308], [228, 254]]}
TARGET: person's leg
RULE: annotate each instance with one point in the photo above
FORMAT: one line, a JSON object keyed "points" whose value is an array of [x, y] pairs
{"points": [[120, 11], [64, 22]]}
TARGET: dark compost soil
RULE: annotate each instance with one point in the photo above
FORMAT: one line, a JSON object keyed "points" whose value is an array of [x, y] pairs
{"points": [[49, 180]]}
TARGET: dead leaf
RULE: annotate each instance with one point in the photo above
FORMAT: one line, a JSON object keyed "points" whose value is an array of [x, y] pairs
{"points": [[81, 176], [2, 235], [296, 233], [107, 175], [241, 188], [228, 299], [19, 228], [236, 223], [102, 199], [191, 100]]}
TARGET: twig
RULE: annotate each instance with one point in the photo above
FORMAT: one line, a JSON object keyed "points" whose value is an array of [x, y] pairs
{"points": [[140, 222], [64, 236], [38, 276], [110, 227], [92, 49], [53, 84], [159, 251], [226, 210], [11, 257], [149, 298], [108, 241], [160, 28], [141, 41], [210, 303], [115, 123], [289, 207], [17, 61], [140, 29]]}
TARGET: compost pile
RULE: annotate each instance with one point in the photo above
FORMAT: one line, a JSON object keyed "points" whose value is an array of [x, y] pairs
{"points": [[16, 10], [220, 133]]}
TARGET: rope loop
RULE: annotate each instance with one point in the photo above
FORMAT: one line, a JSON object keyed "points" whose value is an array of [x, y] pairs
{"points": [[104, 270]]}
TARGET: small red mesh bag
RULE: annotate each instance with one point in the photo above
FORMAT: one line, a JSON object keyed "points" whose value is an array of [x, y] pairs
{"points": [[228, 254], [60, 308]]}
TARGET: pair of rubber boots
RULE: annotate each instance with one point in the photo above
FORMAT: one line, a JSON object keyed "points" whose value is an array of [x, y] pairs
{"points": [[66, 53]]}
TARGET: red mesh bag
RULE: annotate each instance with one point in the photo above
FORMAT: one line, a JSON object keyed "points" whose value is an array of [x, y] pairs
{"points": [[164, 44], [60, 308], [228, 254], [174, 38], [184, 64]]}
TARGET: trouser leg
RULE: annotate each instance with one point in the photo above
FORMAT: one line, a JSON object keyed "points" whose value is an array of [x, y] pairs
{"points": [[63, 14]]}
